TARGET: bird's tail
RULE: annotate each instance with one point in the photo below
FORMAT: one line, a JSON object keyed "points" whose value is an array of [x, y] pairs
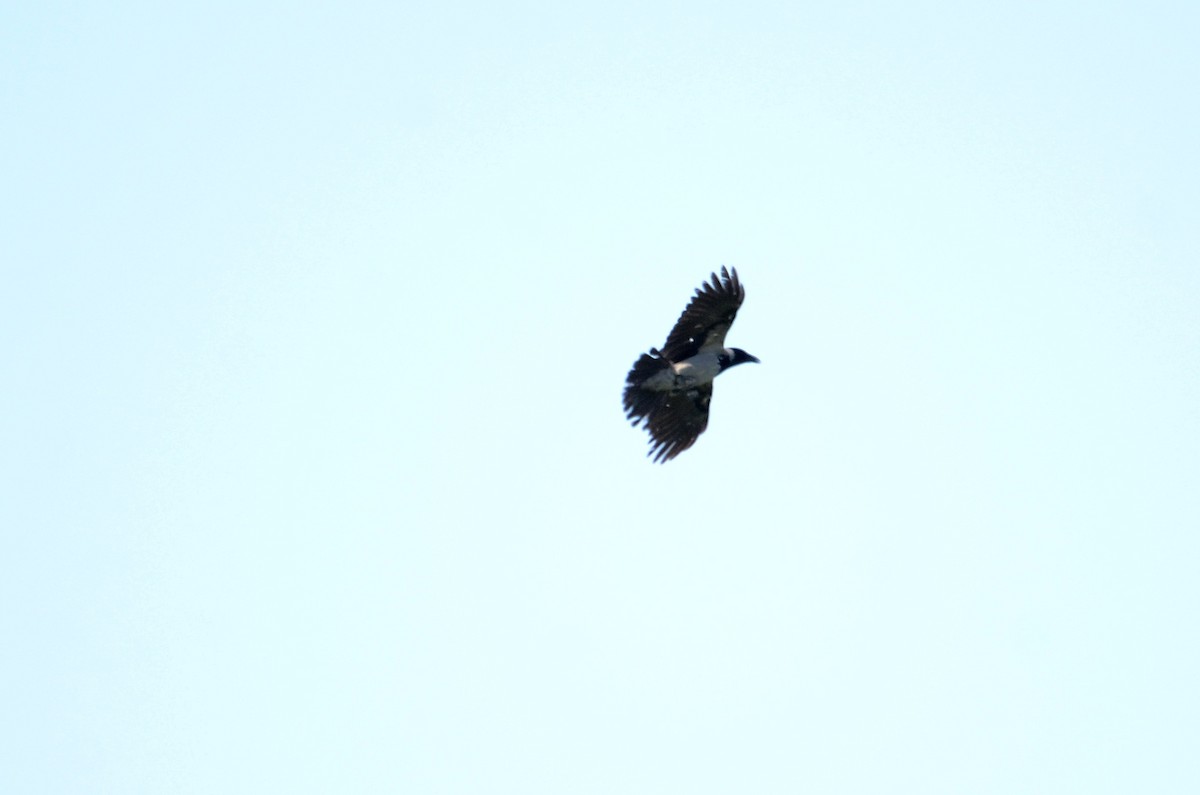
{"points": [[641, 403]]}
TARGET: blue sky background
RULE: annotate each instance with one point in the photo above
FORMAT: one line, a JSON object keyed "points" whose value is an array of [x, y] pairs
{"points": [[315, 323]]}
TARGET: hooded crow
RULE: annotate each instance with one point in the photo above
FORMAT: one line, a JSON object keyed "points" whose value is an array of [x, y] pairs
{"points": [[669, 390]]}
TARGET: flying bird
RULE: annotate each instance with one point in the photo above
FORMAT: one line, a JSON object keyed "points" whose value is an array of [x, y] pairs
{"points": [[669, 390]]}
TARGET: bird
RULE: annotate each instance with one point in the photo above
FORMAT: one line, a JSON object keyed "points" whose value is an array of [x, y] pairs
{"points": [[668, 389]]}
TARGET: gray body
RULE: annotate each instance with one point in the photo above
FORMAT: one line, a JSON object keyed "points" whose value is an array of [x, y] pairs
{"points": [[700, 369]]}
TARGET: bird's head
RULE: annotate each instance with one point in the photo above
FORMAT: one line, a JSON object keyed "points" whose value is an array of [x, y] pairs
{"points": [[738, 356]]}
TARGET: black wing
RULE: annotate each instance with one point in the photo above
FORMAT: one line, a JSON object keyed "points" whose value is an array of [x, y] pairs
{"points": [[704, 323], [678, 421]]}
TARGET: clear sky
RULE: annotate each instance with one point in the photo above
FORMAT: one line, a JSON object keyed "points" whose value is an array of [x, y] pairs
{"points": [[315, 321]]}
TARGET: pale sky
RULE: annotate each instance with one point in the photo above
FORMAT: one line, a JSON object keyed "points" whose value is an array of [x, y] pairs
{"points": [[316, 320]]}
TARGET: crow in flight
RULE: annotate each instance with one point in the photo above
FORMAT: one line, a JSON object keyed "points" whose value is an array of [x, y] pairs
{"points": [[669, 390]]}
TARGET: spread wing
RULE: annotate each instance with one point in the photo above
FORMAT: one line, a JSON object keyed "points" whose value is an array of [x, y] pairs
{"points": [[678, 421], [704, 323]]}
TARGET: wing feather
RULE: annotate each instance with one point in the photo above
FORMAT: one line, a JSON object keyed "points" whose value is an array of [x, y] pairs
{"points": [[676, 423], [707, 318]]}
